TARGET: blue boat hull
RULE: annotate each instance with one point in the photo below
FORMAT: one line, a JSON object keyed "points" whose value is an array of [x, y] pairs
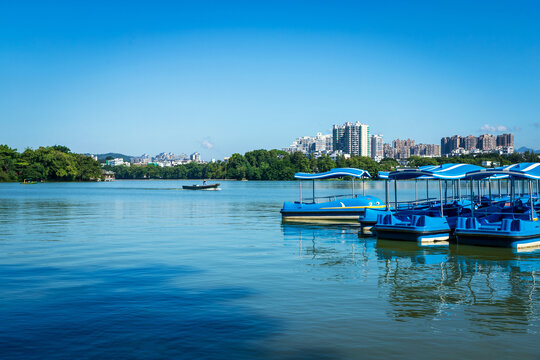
{"points": [[498, 240], [418, 228], [508, 233], [339, 210]]}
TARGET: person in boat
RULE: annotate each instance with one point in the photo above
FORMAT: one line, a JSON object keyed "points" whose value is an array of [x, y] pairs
{"points": [[204, 182]]}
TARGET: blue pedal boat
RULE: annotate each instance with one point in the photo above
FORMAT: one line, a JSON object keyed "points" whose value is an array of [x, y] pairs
{"points": [[418, 228], [338, 208], [425, 225], [516, 224], [411, 207]]}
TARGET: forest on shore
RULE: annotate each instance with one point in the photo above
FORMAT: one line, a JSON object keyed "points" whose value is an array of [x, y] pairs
{"points": [[58, 163], [51, 163], [280, 165]]}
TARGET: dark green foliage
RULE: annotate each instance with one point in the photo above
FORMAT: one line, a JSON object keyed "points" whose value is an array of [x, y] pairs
{"points": [[279, 165], [56, 163]]}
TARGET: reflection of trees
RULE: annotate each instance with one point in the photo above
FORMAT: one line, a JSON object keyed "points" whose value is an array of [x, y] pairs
{"points": [[41, 216], [495, 290]]}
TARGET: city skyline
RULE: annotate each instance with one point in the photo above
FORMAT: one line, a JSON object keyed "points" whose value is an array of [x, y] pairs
{"points": [[223, 78]]}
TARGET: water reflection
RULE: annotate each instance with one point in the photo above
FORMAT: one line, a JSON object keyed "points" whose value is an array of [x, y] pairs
{"points": [[491, 290], [334, 246], [494, 288]]}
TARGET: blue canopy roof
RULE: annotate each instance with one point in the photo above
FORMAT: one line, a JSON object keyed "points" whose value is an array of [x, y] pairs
{"points": [[443, 172], [521, 170], [334, 173]]}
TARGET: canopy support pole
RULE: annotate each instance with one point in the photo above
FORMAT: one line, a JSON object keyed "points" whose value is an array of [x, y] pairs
{"points": [[489, 189], [386, 193], [440, 197], [395, 194], [531, 199], [512, 192], [445, 192], [300, 182], [472, 198], [363, 186], [314, 191], [459, 189], [427, 191], [415, 192]]}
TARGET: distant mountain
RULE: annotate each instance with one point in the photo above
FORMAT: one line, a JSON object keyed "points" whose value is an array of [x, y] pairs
{"points": [[524, 148], [114, 155]]}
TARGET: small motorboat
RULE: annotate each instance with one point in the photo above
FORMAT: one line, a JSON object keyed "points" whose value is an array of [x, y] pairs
{"points": [[201, 187]]}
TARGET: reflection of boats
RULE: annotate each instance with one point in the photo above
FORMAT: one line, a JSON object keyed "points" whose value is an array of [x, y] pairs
{"points": [[388, 249], [335, 208], [201, 187], [492, 288]]}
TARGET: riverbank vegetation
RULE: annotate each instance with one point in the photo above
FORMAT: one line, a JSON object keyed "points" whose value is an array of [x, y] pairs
{"points": [[280, 165], [58, 163], [51, 163]]}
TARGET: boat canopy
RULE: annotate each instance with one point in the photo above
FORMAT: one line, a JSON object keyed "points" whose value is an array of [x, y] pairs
{"points": [[334, 173], [442, 172], [411, 173], [521, 170]]}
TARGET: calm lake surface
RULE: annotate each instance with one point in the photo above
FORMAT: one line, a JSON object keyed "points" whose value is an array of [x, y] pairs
{"points": [[144, 270]]}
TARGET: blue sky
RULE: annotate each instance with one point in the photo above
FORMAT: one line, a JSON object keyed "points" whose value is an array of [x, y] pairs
{"points": [[224, 76]]}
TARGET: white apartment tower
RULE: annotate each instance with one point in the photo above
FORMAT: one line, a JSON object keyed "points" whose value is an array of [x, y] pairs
{"points": [[352, 139], [377, 147]]}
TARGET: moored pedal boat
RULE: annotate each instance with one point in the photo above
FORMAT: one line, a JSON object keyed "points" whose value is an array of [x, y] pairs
{"points": [[419, 228], [515, 224], [337, 208], [424, 220], [508, 233]]}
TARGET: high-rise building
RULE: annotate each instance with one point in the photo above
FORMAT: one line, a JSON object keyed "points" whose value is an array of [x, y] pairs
{"points": [[426, 150], [312, 144], [470, 142], [505, 140], [449, 144], [377, 147], [487, 142], [445, 145], [456, 142], [352, 138]]}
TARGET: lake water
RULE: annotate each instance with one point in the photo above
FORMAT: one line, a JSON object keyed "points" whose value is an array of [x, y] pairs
{"points": [[144, 270]]}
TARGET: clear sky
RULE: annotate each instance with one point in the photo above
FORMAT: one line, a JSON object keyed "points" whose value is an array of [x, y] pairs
{"points": [[224, 76]]}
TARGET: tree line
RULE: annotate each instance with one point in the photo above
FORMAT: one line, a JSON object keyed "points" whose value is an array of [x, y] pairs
{"points": [[51, 163], [58, 163], [280, 165], [253, 165]]}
